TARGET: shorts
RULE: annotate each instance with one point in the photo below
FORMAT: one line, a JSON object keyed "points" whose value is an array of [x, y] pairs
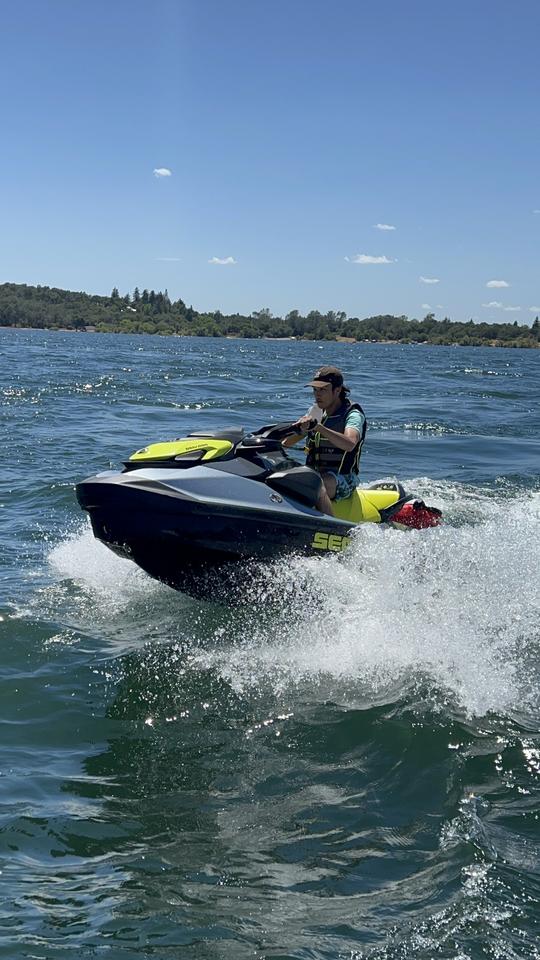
{"points": [[346, 483]]}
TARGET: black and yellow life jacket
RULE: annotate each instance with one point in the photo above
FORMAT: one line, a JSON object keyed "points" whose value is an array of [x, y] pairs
{"points": [[321, 453]]}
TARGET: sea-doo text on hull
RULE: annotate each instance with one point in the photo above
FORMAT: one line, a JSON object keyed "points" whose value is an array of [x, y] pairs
{"points": [[192, 511]]}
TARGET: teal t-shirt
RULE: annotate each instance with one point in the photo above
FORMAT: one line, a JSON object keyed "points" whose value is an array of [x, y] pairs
{"points": [[355, 420]]}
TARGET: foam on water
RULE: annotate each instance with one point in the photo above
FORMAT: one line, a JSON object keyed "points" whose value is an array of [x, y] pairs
{"points": [[456, 607], [104, 600], [82, 558], [103, 596]]}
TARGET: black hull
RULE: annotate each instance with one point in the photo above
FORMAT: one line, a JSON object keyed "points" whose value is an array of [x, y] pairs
{"points": [[200, 551]]}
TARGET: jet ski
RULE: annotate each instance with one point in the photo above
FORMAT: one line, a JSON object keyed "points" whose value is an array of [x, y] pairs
{"points": [[195, 511]]}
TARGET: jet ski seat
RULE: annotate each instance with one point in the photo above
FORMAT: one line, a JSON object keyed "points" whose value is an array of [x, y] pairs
{"points": [[302, 483]]}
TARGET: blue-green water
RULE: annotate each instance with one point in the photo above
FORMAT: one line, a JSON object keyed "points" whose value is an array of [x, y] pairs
{"points": [[353, 777]]}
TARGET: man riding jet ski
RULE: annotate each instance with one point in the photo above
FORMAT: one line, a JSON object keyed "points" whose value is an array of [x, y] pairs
{"points": [[193, 512], [334, 441]]}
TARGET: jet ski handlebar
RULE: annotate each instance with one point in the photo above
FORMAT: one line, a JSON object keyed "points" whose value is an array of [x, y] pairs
{"points": [[280, 431]]}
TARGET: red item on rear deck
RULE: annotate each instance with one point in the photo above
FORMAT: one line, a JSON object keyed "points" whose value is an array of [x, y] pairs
{"points": [[416, 514]]}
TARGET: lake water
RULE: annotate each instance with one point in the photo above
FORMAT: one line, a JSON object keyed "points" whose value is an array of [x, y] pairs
{"points": [[348, 778]]}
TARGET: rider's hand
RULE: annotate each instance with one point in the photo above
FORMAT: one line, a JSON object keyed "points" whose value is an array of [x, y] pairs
{"points": [[304, 425]]}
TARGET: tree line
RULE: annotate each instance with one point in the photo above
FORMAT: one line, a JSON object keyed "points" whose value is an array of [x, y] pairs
{"points": [[148, 311]]}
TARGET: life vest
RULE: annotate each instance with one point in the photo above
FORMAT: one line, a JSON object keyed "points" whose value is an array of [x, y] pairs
{"points": [[321, 453]]}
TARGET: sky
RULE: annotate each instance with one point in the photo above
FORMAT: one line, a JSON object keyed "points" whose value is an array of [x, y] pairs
{"points": [[294, 154]]}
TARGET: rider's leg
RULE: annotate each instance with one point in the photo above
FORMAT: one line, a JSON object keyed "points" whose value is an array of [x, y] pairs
{"points": [[327, 494]]}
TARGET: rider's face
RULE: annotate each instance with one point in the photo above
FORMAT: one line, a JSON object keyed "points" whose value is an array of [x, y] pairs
{"points": [[325, 396]]}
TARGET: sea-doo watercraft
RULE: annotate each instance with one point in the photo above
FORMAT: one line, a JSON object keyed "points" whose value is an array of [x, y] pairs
{"points": [[193, 512]]}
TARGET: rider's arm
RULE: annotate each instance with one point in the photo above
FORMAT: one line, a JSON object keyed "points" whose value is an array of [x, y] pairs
{"points": [[343, 441], [303, 424], [290, 441], [353, 431]]}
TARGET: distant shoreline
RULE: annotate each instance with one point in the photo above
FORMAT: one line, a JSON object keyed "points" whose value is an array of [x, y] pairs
{"points": [[50, 308], [491, 344]]}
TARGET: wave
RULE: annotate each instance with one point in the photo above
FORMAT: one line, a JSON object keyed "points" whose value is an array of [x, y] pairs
{"points": [[454, 611]]}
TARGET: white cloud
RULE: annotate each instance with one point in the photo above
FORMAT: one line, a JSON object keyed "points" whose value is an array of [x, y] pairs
{"points": [[536, 211], [429, 280], [367, 258], [222, 261], [426, 306], [384, 226], [497, 283], [168, 259], [500, 306], [162, 172], [534, 309], [439, 306]]}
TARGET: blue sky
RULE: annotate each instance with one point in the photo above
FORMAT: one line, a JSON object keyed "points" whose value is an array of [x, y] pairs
{"points": [[289, 137]]}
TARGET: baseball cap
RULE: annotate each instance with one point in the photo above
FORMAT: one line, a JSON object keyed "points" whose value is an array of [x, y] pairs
{"points": [[325, 375]]}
